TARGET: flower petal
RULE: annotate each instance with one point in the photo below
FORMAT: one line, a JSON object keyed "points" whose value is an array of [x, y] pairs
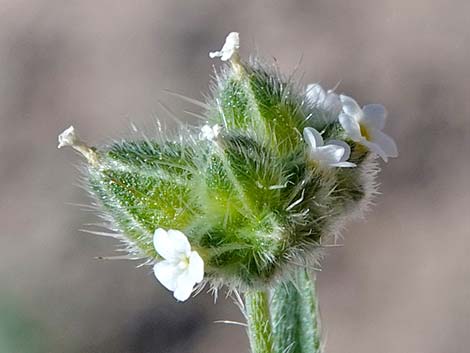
{"points": [[312, 137], [329, 154], [375, 148], [347, 149], [161, 243], [332, 103], [167, 274], [343, 165], [184, 286], [374, 116], [171, 245], [315, 93], [196, 267], [386, 143], [351, 126], [180, 242], [350, 106]]}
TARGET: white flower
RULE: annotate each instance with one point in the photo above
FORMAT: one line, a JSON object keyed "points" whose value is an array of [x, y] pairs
{"points": [[230, 49], [365, 126], [68, 138], [210, 132], [333, 154], [326, 100], [181, 268]]}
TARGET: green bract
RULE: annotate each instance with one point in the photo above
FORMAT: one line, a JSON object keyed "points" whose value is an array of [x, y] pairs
{"points": [[250, 200]]}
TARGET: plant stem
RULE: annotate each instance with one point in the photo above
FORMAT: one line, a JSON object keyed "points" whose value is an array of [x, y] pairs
{"points": [[296, 322], [259, 321]]}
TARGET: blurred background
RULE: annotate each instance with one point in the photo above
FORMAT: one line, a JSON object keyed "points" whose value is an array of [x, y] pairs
{"points": [[400, 283]]}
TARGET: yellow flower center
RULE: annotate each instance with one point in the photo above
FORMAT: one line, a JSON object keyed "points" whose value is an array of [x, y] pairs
{"points": [[184, 263], [364, 132]]}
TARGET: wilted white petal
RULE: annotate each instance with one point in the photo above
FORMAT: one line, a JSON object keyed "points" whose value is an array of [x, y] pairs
{"points": [[171, 245], [167, 273], [351, 126], [68, 137], [230, 48], [386, 143], [312, 137], [184, 286], [350, 106], [374, 116], [196, 267]]}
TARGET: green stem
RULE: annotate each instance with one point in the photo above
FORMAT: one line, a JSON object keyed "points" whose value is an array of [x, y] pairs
{"points": [[259, 321], [294, 310]]}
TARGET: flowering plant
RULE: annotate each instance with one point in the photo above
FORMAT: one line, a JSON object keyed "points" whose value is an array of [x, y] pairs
{"points": [[250, 199]]}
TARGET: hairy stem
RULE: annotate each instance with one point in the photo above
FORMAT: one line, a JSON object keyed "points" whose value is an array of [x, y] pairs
{"points": [[259, 322], [296, 322]]}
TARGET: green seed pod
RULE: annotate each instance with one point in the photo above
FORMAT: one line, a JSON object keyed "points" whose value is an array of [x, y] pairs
{"points": [[256, 192]]}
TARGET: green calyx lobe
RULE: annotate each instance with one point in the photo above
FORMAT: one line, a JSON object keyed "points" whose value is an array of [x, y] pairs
{"points": [[249, 200]]}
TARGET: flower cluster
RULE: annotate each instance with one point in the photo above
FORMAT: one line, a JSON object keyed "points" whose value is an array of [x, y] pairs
{"points": [[360, 125], [256, 191]]}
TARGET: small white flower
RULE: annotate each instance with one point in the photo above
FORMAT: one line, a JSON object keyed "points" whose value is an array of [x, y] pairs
{"points": [[230, 49], [181, 268], [68, 138], [365, 126], [210, 132], [333, 154], [326, 100]]}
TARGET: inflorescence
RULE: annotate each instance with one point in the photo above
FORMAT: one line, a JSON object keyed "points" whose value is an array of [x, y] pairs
{"points": [[254, 193]]}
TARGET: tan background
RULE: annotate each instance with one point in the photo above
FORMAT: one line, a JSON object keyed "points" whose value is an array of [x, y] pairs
{"points": [[400, 284]]}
